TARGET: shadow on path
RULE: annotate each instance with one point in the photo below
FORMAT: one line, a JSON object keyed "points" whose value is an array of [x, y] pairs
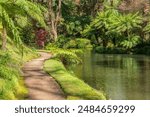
{"points": [[40, 85]]}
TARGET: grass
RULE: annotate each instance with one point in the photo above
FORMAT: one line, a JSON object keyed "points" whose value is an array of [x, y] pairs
{"points": [[73, 87], [11, 82]]}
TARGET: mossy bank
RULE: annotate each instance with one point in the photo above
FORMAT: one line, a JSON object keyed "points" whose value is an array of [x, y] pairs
{"points": [[11, 80], [73, 87]]}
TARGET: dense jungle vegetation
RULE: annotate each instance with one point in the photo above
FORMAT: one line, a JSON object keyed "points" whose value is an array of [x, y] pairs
{"points": [[65, 28]]}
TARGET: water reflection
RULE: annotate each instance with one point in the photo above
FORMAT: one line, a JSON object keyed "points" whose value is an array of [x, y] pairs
{"points": [[120, 76]]}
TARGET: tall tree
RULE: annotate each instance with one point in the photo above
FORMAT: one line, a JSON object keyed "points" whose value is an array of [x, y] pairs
{"points": [[54, 8]]}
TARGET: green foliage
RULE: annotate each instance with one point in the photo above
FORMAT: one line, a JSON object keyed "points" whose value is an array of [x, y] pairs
{"points": [[73, 27], [11, 82], [67, 50], [5, 57], [10, 86], [125, 26], [73, 22], [132, 42], [80, 43], [102, 22], [8, 22], [109, 50], [11, 11], [28, 36], [126, 23], [112, 26], [100, 26], [61, 41], [67, 56]]}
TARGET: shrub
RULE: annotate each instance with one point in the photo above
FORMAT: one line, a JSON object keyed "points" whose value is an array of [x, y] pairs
{"points": [[79, 43], [117, 50], [142, 50], [61, 41], [71, 44], [67, 56]]}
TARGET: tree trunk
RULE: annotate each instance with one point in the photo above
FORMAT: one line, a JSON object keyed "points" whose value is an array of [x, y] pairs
{"points": [[54, 33], [112, 3], [54, 18], [4, 38]]}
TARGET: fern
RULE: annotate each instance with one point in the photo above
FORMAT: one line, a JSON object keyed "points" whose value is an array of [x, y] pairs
{"points": [[128, 44], [67, 56], [20, 8]]}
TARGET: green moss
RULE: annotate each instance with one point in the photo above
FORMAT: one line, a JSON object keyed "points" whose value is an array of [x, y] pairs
{"points": [[72, 86]]}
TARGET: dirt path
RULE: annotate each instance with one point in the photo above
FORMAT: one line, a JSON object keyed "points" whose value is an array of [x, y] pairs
{"points": [[40, 85]]}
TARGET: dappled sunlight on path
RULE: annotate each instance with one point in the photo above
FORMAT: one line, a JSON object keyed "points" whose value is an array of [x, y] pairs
{"points": [[40, 85]]}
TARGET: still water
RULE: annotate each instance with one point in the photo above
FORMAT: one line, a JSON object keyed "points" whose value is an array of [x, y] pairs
{"points": [[121, 77]]}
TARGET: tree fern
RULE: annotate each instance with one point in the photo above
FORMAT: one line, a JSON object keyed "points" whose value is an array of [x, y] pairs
{"points": [[10, 9]]}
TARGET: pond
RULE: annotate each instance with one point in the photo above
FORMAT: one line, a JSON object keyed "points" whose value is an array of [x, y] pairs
{"points": [[120, 77]]}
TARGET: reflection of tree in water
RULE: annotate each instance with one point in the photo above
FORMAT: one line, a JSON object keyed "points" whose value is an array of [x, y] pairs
{"points": [[144, 78], [88, 74], [119, 76], [117, 62]]}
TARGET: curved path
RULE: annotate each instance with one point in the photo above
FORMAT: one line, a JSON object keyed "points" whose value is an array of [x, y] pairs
{"points": [[40, 85]]}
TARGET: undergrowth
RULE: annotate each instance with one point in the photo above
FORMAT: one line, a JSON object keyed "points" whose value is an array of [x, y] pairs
{"points": [[11, 83], [67, 56]]}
